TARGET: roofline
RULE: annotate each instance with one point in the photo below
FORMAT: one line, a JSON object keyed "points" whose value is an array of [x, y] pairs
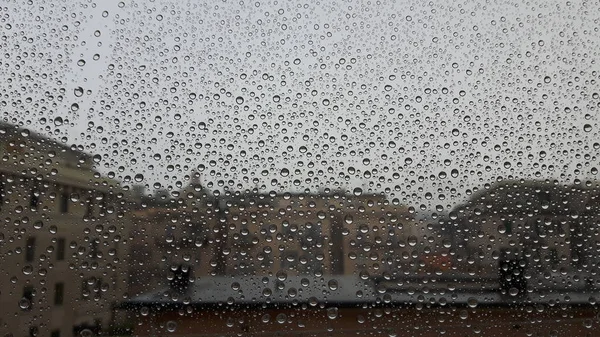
{"points": [[34, 135], [371, 304]]}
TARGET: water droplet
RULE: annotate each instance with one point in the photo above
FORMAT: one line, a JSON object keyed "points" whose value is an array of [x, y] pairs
{"points": [[58, 121], [38, 225], [332, 284], [24, 304], [281, 318], [513, 291], [281, 275], [171, 326], [239, 100], [501, 229], [332, 313], [472, 302], [138, 178], [284, 172], [27, 269], [587, 128], [78, 92], [547, 79]]}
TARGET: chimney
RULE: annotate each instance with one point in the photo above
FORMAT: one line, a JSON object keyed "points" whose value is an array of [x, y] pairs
{"points": [[511, 273], [180, 278]]}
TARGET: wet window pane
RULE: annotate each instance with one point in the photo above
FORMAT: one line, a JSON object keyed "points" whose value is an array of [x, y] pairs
{"points": [[260, 168]]}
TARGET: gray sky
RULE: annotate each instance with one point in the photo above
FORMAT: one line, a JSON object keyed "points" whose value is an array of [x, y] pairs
{"points": [[340, 93]]}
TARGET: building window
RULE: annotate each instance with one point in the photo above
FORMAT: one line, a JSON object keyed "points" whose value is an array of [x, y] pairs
{"points": [[544, 197], [554, 259], [64, 202], [2, 190], [30, 249], [103, 202], [538, 227], [508, 226], [94, 248], [59, 293], [28, 294], [89, 211], [60, 249], [34, 199], [578, 256]]}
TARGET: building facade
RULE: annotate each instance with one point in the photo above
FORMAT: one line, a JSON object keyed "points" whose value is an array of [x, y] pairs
{"points": [[250, 233], [552, 227], [63, 238]]}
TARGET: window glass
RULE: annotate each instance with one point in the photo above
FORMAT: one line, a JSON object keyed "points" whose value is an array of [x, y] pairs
{"points": [[60, 249], [315, 168], [59, 295], [64, 202], [30, 249]]}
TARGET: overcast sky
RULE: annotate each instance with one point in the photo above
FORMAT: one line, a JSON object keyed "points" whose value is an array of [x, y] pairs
{"points": [[430, 97]]}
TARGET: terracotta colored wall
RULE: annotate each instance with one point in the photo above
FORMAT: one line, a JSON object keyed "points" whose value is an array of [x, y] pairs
{"points": [[451, 322]]}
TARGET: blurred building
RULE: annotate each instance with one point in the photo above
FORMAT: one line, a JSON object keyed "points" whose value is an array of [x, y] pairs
{"points": [[329, 233], [62, 238], [554, 228], [250, 233], [169, 232]]}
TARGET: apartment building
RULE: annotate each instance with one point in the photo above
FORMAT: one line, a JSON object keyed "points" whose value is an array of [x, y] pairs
{"points": [[63, 238], [247, 233], [552, 226]]}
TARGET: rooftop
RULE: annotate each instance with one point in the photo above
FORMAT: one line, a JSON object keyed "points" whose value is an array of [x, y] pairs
{"points": [[341, 291]]}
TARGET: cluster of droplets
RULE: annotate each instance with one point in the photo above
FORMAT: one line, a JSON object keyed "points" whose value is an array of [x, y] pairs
{"points": [[429, 102]]}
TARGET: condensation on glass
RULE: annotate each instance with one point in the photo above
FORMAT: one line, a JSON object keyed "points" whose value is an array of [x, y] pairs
{"points": [[260, 168]]}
